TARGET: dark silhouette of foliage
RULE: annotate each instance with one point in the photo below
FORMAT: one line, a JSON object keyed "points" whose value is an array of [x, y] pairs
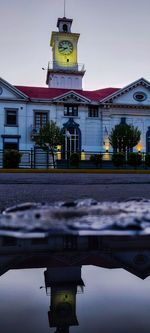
{"points": [[12, 158], [124, 137], [96, 159], [74, 160], [134, 159], [49, 137], [118, 159]]}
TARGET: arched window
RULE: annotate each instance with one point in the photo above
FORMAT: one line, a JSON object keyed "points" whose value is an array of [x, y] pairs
{"points": [[65, 28], [72, 138]]}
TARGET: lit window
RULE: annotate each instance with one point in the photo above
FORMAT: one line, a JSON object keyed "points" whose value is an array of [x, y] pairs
{"points": [[93, 112], [11, 118], [71, 110]]}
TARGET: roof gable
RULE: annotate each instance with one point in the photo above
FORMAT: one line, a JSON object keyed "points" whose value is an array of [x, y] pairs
{"points": [[9, 92], [131, 94], [132, 261], [71, 97]]}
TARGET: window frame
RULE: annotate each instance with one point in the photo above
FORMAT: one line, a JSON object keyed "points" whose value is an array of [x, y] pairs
{"points": [[7, 110], [93, 111], [73, 112], [40, 112]]}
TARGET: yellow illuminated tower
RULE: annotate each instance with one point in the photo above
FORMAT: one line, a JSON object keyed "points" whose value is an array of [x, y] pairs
{"points": [[64, 71]]}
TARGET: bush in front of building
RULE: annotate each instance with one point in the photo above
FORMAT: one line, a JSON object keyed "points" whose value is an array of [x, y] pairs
{"points": [[74, 160], [96, 159], [147, 159], [118, 159], [134, 159], [12, 158]]}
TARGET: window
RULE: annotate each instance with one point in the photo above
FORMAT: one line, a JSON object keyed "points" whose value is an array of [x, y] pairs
{"points": [[9, 241], [41, 119], [123, 121], [11, 118], [93, 112], [71, 110], [65, 28], [140, 96], [39, 241], [70, 242], [10, 145]]}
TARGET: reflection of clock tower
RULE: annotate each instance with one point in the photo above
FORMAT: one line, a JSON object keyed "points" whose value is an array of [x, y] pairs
{"points": [[64, 283], [64, 71]]}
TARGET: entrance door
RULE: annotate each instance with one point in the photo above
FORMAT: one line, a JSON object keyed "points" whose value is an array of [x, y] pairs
{"points": [[71, 142]]}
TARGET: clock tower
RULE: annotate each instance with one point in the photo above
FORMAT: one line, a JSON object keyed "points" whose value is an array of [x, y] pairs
{"points": [[64, 71]]}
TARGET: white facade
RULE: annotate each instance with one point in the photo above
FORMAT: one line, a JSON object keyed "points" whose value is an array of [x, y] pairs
{"points": [[94, 127]]}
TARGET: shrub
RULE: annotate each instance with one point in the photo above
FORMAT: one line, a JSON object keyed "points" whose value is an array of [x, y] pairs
{"points": [[74, 160], [96, 159], [147, 159], [134, 159], [12, 158], [118, 159]]}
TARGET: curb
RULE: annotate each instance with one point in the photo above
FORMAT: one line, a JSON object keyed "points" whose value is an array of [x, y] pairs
{"points": [[91, 171]]}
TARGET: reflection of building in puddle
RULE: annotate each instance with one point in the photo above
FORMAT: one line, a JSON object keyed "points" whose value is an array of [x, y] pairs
{"points": [[121, 251], [63, 283], [63, 280]]}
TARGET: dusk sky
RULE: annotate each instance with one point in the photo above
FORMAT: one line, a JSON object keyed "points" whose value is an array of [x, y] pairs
{"points": [[114, 43]]}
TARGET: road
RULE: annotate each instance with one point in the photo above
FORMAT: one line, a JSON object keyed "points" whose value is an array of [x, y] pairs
{"points": [[18, 188]]}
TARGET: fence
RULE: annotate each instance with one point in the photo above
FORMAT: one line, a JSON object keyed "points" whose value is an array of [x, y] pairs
{"points": [[39, 159]]}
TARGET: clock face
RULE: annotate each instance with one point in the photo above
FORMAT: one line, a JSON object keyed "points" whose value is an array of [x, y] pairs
{"points": [[65, 47]]}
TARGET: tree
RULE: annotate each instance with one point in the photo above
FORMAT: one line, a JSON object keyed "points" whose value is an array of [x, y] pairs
{"points": [[123, 137], [49, 137]]}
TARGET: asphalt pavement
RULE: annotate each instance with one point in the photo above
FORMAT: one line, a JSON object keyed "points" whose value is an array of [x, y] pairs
{"points": [[17, 188]]}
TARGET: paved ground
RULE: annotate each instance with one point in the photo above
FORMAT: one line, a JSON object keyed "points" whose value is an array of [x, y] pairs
{"points": [[17, 188]]}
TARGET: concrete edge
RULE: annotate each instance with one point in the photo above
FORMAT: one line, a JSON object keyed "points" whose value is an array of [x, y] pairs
{"points": [[91, 171]]}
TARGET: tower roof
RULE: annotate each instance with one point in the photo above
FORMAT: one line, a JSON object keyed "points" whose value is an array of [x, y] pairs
{"points": [[63, 19]]}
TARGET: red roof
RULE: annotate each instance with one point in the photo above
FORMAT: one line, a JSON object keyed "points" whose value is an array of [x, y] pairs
{"points": [[50, 93]]}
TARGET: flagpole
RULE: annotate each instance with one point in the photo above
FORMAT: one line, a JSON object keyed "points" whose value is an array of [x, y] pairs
{"points": [[64, 8]]}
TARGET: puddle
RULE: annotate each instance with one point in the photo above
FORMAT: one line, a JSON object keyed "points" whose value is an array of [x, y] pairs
{"points": [[75, 267]]}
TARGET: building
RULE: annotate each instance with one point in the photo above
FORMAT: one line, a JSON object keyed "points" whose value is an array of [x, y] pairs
{"points": [[86, 117]]}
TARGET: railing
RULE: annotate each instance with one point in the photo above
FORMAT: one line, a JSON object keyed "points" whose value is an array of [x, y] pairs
{"points": [[53, 65], [40, 159]]}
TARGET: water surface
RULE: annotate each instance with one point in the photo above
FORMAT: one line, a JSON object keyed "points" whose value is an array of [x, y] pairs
{"points": [[112, 300]]}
